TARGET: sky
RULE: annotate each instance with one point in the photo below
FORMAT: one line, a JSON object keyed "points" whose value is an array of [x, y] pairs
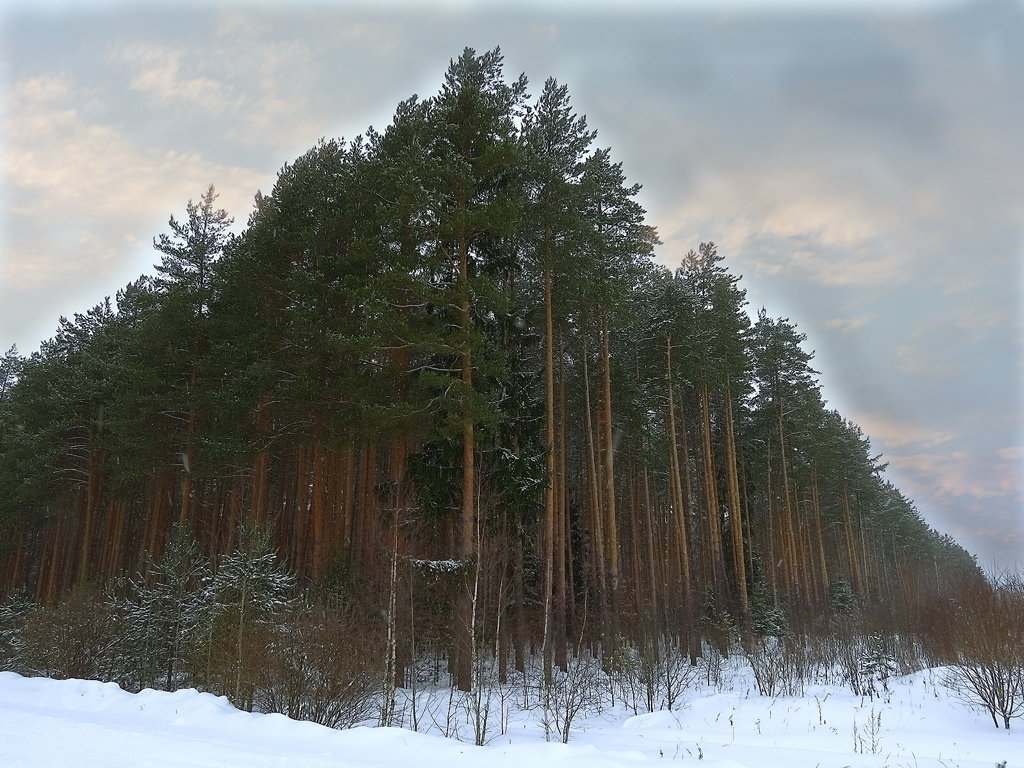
{"points": [[860, 163]]}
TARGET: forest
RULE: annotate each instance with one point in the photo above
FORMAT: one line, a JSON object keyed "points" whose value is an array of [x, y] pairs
{"points": [[438, 400]]}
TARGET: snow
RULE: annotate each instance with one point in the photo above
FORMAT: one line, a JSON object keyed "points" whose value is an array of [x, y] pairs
{"points": [[436, 566], [917, 723]]}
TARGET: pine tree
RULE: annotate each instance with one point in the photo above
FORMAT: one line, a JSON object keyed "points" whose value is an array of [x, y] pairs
{"points": [[617, 242], [165, 612], [185, 277], [189, 252], [788, 400], [557, 141], [10, 367], [472, 202], [14, 609], [718, 369], [248, 589]]}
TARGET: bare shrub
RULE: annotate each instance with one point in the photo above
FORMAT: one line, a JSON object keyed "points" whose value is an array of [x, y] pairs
{"points": [[847, 650], [416, 699], [478, 703], [779, 666], [655, 677], [710, 666], [632, 673], [321, 666], [572, 692], [77, 638], [987, 668], [825, 652], [907, 652]]}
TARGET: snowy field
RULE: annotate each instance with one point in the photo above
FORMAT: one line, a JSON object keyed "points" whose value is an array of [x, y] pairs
{"points": [[917, 724]]}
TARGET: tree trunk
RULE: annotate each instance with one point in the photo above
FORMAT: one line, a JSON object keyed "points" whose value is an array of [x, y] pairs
{"points": [[818, 526], [89, 507], [851, 555], [188, 455], [596, 509], [564, 605], [464, 629], [609, 451], [736, 514], [550, 487], [713, 547], [680, 507], [261, 465]]}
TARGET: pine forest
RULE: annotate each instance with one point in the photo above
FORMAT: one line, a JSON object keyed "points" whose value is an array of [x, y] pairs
{"points": [[437, 410]]}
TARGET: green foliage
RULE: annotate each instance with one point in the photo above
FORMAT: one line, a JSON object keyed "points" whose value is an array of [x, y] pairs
{"points": [[240, 603], [10, 369], [163, 613], [711, 319], [186, 267], [766, 618], [842, 599], [877, 665]]}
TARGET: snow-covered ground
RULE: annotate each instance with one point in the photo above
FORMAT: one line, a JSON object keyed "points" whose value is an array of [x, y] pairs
{"points": [[918, 724]]}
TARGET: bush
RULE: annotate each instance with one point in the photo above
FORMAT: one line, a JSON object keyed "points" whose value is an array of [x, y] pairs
{"points": [[78, 638], [779, 666], [571, 693], [12, 619], [241, 605], [653, 677], [988, 665], [322, 666]]}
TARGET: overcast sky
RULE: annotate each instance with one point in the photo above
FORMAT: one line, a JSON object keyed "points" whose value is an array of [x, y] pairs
{"points": [[861, 164]]}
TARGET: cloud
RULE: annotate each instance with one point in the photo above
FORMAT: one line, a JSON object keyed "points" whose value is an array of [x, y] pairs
{"points": [[978, 500], [929, 364], [61, 167], [1013, 453], [958, 474], [161, 75], [961, 336], [236, 22], [244, 86], [82, 202], [866, 155], [897, 433], [279, 106], [978, 320], [798, 225], [849, 324]]}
